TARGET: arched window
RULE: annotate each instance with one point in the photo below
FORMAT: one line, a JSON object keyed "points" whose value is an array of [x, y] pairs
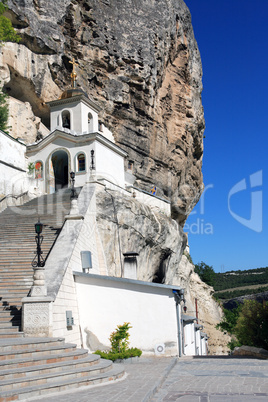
{"points": [[66, 119], [90, 122], [38, 170], [81, 163]]}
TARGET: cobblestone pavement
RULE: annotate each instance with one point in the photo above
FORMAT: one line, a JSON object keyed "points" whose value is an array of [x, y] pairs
{"points": [[207, 379], [215, 379], [141, 382]]}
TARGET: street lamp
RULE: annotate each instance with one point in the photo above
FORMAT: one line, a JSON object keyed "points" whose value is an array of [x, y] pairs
{"points": [[73, 194], [92, 166], [38, 260]]}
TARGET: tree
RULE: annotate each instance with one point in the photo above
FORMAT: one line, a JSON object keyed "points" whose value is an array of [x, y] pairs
{"points": [[7, 33], [206, 273], [252, 324], [229, 320], [248, 323], [3, 111]]}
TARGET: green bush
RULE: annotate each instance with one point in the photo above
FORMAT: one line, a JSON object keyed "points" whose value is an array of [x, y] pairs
{"points": [[206, 273], [110, 355], [252, 324], [248, 323], [119, 345], [120, 338]]}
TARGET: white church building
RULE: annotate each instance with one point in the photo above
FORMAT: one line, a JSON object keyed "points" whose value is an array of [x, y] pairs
{"points": [[78, 300]]}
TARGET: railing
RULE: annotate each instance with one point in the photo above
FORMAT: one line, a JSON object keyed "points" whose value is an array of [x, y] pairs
{"points": [[14, 196]]}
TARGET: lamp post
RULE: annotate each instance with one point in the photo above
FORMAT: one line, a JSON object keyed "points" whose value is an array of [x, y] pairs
{"points": [[92, 166], [38, 260], [73, 194], [38, 263]]}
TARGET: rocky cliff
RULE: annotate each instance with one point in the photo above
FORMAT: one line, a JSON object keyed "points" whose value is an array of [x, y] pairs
{"points": [[139, 60]]}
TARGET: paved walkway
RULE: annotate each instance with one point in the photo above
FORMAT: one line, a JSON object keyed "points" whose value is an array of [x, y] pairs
{"points": [[211, 379]]}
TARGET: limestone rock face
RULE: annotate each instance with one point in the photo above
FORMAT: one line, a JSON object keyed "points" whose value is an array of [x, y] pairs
{"points": [[127, 225], [140, 61], [26, 124], [207, 309]]}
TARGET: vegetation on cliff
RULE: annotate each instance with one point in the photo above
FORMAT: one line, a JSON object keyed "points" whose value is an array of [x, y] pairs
{"points": [[247, 323], [7, 33], [233, 279]]}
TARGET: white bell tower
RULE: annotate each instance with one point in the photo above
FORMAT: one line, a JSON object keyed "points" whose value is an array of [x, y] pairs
{"points": [[74, 112]]}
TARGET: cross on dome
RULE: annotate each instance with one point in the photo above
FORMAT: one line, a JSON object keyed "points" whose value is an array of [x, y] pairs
{"points": [[73, 74]]}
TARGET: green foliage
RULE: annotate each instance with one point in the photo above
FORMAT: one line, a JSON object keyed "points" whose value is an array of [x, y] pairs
{"points": [[3, 111], [206, 273], [119, 345], [188, 256], [239, 292], [131, 352], [31, 167], [252, 324], [233, 344], [229, 320], [7, 32], [248, 323], [235, 279], [120, 338]]}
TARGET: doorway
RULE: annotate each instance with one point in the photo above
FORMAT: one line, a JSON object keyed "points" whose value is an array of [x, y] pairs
{"points": [[59, 162]]}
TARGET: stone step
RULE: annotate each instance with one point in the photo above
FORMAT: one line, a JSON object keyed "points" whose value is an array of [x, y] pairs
{"points": [[4, 328], [54, 368], [50, 358], [101, 367], [56, 386], [11, 335], [30, 343], [37, 353], [19, 289], [5, 324], [12, 297]]}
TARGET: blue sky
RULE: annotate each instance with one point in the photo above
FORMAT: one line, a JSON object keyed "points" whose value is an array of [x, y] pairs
{"points": [[232, 37]]}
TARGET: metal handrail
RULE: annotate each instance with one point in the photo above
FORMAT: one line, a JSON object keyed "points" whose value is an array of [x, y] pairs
{"points": [[14, 196]]}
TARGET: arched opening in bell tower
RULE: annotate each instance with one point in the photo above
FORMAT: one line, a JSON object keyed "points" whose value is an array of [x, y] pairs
{"points": [[60, 162]]}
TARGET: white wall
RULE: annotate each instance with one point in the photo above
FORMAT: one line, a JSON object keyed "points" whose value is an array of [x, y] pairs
{"points": [[13, 177], [105, 302], [189, 338], [12, 151], [79, 117], [152, 201], [66, 300], [198, 341], [88, 238], [109, 165]]}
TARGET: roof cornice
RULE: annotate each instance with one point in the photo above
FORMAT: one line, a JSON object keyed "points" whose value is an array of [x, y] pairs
{"points": [[73, 99], [90, 137]]}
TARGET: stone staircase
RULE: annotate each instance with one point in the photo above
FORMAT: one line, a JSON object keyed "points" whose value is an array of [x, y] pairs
{"points": [[17, 250], [32, 367]]}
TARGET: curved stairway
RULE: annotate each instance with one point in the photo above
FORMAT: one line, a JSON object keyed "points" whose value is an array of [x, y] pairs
{"points": [[31, 367]]}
